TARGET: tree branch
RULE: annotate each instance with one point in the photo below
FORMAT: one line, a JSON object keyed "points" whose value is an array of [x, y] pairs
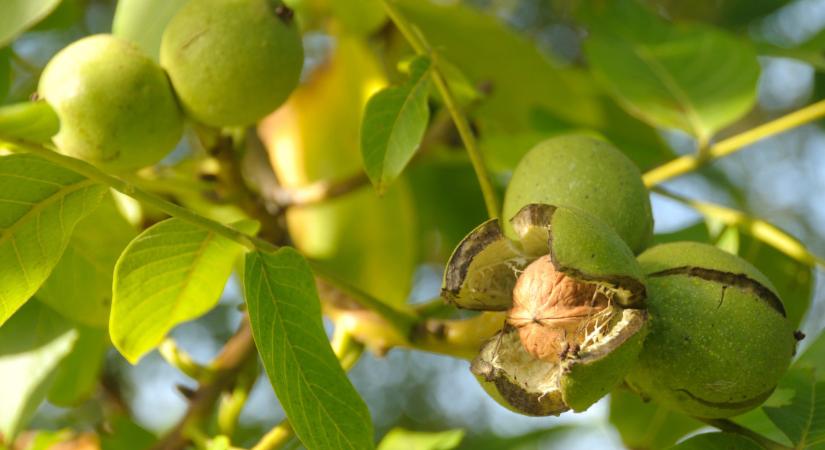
{"points": [[224, 368], [731, 145], [761, 229], [319, 191], [420, 46]]}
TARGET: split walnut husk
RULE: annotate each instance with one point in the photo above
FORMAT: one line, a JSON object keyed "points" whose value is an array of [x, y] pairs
{"points": [[575, 307]]}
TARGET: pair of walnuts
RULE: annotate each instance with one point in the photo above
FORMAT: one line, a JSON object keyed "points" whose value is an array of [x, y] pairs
{"points": [[686, 324], [226, 62]]}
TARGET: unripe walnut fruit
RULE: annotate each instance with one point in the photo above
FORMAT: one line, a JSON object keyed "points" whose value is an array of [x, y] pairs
{"points": [[573, 294], [586, 173], [232, 61], [719, 339], [115, 105]]}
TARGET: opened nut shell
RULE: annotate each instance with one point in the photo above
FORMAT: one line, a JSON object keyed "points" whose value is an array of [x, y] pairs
{"points": [[574, 299]]}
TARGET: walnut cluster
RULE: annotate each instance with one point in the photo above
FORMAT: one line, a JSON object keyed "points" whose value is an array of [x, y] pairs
{"points": [[552, 311]]}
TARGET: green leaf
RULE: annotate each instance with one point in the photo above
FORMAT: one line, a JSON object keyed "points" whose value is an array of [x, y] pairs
{"points": [[80, 286], [171, 273], [735, 13], [123, 434], [814, 357], [449, 205], [16, 16], [697, 232], [32, 121], [478, 43], [77, 376], [647, 424], [5, 73], [394, 123], [662, 73], [401, 439], [718, 441], [757, 421], [32, 345], [802, 418], [792, 278], [40, 203], [536, 439], [143, 22], [322, 406]]}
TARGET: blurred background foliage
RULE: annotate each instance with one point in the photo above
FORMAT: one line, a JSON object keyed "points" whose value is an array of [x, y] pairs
{"points": [[524, 70]]}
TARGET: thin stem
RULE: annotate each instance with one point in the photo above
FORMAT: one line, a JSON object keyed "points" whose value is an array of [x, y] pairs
{"points": [[232, 403], [402, 321], [731, 145], [733, 427], [226, 366], [319, 191], [397, 318], [127, 188], [181, 360], [32, 69], [758, 228], [276, 438], [462, 125]]}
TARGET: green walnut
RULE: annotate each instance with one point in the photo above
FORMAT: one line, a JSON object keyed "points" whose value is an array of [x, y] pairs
{"points": [[574, 298], [719, 338], [232, 61], [587, 173], [115, 105]]}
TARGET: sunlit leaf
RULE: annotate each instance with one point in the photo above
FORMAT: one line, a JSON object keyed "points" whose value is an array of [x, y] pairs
{"points": [[718, 441], [802, 419], [401, 439], [647, 424], [143, 22], [792, 278], [16, 16], [394, 123], [171, 273], [40, 203], [80, 286], [323, 408], [660, 72], [32, 345], [77, 376], [33, 121]]}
